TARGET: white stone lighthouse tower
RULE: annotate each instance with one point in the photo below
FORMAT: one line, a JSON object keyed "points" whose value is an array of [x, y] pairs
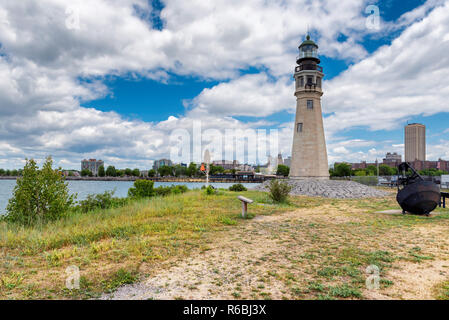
{"points": [[309, 155]]}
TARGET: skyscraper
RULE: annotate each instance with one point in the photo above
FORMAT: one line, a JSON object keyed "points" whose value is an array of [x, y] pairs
{"points": [[415, 142], [309, 155]]}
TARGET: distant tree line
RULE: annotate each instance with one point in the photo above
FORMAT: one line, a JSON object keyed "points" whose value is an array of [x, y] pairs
{"points": [[345, 170], [192, 170], [10, 173], [111, 171]]}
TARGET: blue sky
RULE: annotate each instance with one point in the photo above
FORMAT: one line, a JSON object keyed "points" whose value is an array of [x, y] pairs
{"points": [[128, 73]]}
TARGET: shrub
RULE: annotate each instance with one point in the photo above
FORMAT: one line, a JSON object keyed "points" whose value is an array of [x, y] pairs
{"points": [[39, 195], [142, 189], [278, 191], [179, 189], [162, 191], [165, 191], [101, 201], [210, 190], [237, 187]]}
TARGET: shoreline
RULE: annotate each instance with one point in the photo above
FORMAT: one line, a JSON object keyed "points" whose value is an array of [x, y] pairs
{"points": [[155, 179]]}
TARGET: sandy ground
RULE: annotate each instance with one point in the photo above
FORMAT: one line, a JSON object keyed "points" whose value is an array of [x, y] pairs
{"points": [[265, 258]]}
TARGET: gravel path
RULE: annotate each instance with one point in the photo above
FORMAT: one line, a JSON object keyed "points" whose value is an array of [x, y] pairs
{"points": [[336, 189]]}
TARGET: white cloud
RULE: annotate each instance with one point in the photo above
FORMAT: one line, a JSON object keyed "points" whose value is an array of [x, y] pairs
{"points": [[397, 82], [47, 70], [249, 95]]}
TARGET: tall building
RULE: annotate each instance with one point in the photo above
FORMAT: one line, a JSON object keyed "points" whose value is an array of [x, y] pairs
{"points": [[92, 165], [309, 155], [415, 142], [162, 162]]}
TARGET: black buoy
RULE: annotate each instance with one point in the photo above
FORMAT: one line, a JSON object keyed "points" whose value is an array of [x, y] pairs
{"points": [[415, 195]]}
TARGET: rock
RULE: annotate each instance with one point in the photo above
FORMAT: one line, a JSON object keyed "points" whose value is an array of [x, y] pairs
{"points": [[336, 189]]}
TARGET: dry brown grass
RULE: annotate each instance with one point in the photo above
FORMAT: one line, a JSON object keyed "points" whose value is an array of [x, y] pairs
{"points": [[196, 246], [311, 253]]}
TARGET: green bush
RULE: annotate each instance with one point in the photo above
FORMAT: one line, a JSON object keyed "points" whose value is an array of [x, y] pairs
{"points": [[142, 189], [283, 170], [101, 201], [145, 189], [165, 191], [179, 189], [237, 187], [278, 191], [210, 190], [162, 191], [39, 195]]}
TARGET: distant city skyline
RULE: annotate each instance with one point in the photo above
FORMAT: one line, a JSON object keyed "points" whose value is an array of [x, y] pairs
{"points": [[111, 80]]}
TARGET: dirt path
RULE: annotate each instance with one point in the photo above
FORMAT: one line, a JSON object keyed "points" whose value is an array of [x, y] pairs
{"points": [[294, 256]]}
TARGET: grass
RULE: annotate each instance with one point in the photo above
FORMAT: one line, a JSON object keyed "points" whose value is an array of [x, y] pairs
{"points": [[321, 251], [111, 246], [442, 291]]}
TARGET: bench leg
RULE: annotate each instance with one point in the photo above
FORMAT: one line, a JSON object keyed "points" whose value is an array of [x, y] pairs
{"points": [[244, 209]]}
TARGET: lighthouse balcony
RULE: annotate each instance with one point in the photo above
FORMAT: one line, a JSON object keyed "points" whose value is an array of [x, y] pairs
{"points": [[310, 66]]}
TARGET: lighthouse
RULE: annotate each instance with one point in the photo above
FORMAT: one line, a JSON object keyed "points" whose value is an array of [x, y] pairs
{"points": [[309, 154]]}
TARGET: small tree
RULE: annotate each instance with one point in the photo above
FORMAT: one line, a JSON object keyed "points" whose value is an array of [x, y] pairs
{"points": [[283, 170], [151, 173], [136, 173], [192, 170], [111, 172], [278, 191], [39, 195], [101, 171], [342, 170]]}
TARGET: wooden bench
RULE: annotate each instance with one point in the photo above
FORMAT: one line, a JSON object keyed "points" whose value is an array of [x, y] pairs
{"points": [[245, 202], [444, 195]]}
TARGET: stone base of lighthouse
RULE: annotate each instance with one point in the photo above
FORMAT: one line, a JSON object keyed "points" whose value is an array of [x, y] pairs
{"points": [[309, 178]]}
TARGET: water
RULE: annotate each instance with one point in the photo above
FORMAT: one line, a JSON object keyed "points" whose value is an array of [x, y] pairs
{"points": [[83, 188]]}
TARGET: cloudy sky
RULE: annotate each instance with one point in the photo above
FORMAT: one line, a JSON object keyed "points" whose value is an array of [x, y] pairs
{"points": [[112, 79]]}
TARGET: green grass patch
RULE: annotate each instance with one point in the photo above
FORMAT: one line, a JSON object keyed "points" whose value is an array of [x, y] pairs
{"points": [[103, 243]]}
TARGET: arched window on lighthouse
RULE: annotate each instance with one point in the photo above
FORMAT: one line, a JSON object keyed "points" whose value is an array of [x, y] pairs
{"points": [[299, 127]]}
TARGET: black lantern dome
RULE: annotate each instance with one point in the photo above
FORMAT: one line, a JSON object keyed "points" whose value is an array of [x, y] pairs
{"points": [[308, 50]]}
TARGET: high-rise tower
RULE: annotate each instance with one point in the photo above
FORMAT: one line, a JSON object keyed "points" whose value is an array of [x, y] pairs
{"points": [[309, 155], [415, 142]]}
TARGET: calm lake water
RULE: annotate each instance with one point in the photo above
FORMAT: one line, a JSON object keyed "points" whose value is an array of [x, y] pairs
{"points": [[83, 188]]}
